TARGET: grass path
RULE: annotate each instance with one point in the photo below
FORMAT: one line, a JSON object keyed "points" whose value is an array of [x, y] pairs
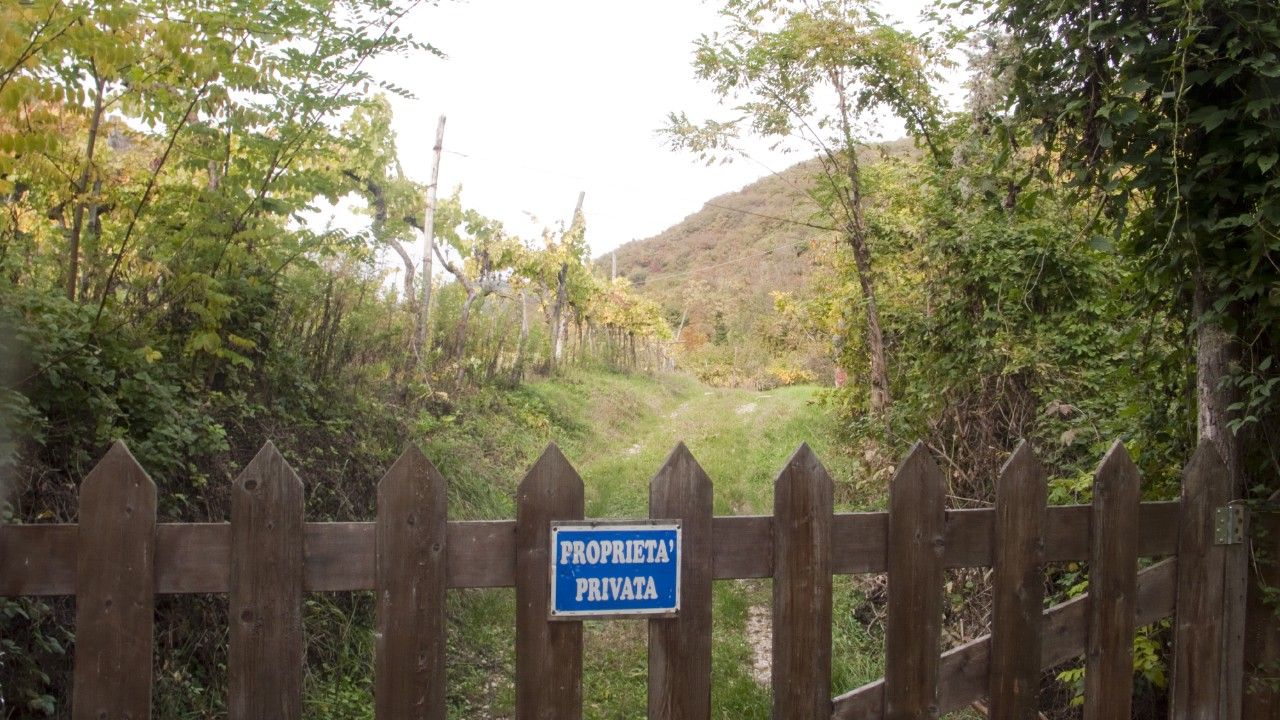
{"points": [[742, 439], [617, 430]]}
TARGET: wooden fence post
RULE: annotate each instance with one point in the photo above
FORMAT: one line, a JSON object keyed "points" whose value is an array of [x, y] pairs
{"points": [[680, 648], [1018, 586], [265, 662], [913, 629], [548, 654], [1198, 640], [802, 518], [1113, 578], [1235, 603], [409, 656], [115, 591], [1262, 644]]}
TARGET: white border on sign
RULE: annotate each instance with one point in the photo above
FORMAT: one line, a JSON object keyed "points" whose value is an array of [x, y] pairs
{"points": [[620, 525]]}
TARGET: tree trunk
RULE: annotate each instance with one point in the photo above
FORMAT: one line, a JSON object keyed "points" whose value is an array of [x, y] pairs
{"points": [[460, 339], [81, 187], [92, 252], [497, 340], [408, 269], [559, 322], [428, 229], [856, 235], [517, 371], [379, 228], [880, 398], [669, 355], [557, 315], [578, 350], [1216, 350]]}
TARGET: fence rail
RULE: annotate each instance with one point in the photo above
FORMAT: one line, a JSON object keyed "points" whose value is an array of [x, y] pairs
{"points": [[118, 558], [192, 558]]}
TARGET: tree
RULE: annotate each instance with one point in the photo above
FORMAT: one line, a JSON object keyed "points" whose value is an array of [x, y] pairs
{"points": [[819, 69], [241, 101], [487, 258], [1168, 116], [560, 270], [159, 281], [616, 307], [372, 164]]}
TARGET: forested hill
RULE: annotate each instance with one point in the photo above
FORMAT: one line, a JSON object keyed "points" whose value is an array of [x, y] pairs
{"points": [[754, 239], [718, 274]]}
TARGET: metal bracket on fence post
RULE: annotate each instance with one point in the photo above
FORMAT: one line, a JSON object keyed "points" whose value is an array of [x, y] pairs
{"points": [[1229, 523]]}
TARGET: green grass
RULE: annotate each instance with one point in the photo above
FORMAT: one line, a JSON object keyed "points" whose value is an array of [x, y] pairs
{"points": [[617, 430]]}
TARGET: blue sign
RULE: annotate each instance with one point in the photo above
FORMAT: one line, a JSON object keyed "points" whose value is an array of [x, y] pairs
{"points": [[615, 569]]}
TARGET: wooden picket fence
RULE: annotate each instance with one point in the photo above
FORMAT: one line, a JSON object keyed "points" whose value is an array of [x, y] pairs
{"points": [[267, 557]]}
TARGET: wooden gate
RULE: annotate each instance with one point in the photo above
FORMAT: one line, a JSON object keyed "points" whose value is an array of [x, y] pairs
{"points": [[267, 557]]}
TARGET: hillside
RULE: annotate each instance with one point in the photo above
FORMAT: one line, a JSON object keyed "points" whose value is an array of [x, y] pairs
{"points": [[718, 269], [752, 237]]}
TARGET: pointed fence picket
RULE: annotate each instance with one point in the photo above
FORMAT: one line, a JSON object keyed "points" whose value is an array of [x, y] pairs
{"points": [[548, 654], [913, 630], [680, 647], [115, 562], [265, 664], [1017, 586], [411, 546], [267, 557], [1113, 578], [803, 506]]}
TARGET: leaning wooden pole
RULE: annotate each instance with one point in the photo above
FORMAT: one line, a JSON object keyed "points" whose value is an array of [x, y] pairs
{"points": [[428, 245]]}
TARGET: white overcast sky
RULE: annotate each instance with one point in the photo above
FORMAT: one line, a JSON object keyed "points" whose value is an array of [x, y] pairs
{"points": [[545, 98]]}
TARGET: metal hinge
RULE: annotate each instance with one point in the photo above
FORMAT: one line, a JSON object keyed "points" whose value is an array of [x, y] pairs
{"points": [[1228, 524]]}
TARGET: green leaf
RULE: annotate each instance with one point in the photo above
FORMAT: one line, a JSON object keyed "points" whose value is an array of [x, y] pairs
{"points": [[1207, 117], [206, 341]]}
